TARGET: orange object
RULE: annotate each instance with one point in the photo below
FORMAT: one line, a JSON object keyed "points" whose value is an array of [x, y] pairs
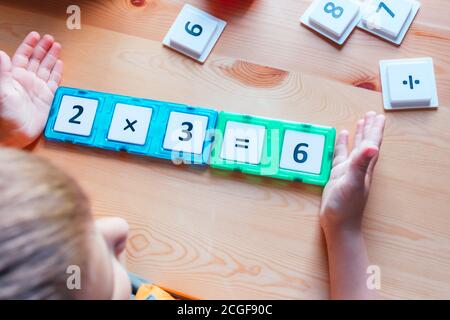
{"points": [[152, 292]]}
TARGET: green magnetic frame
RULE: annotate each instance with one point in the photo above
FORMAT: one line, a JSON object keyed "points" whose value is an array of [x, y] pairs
{"points": [[283, 152]]}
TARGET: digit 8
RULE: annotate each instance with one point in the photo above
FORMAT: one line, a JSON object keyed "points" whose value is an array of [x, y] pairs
{"points": [[335, 11]]}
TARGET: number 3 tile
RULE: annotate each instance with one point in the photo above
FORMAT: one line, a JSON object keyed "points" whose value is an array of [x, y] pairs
{"points": [[185, 132]]}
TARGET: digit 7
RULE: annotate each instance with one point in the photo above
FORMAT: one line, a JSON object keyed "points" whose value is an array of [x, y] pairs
{"points": [[383, 5]]}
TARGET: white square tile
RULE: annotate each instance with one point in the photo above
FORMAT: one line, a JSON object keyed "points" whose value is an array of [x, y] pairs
{"points": [[185, 132], [76, 115], [130, 124], [243, 142], [408, 83], [194, 33], [335, 19], [389, 19], [302, 152]]}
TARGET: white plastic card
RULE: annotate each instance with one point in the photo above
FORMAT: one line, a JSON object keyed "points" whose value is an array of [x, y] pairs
{"points": [[243, 142], [130, 124], [408, 83], [302, 151], [194, 33], [389, 19], [76, 115], [335, 19], [185, 132]]}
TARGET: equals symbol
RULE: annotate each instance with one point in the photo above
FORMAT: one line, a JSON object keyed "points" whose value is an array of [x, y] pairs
{"points": [[239, 141]]}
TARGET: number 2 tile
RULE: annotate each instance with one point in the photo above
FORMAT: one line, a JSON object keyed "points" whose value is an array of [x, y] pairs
{"points": [[76, 115]]}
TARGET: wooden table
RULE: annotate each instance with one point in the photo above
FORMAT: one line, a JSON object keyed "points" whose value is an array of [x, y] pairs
{"points": [[212, 236]]}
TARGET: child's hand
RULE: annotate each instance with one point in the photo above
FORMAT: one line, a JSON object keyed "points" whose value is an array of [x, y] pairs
{"points": [[345, 195], [27, 86]]}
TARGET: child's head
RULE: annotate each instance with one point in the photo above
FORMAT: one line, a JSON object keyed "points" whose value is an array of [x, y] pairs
{"points": [[46, 227]]}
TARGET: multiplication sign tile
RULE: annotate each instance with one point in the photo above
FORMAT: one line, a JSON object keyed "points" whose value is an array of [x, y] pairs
{"points": [[130, 124]]}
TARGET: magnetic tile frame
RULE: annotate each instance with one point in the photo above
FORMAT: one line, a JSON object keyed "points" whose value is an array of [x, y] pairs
{"points": [[272, 149], [153, 145]]}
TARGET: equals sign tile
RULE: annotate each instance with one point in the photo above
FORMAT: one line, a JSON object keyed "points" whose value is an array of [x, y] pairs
{"points": [[240, 141]]}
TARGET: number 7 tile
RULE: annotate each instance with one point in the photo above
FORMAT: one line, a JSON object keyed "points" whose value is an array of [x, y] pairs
{"points": [[389, 19]]}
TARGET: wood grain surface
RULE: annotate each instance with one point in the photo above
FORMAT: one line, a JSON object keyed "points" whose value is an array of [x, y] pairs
{"points": [[209, 234]]}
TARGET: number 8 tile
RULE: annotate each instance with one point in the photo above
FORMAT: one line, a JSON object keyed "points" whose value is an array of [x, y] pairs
{"points": [[335, 19]]}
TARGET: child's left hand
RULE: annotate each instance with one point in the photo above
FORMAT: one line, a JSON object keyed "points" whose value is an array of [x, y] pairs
{"points": [[27, 86]]}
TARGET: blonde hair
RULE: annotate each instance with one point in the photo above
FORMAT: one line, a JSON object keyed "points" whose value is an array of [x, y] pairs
{"points": [[44, 224]]}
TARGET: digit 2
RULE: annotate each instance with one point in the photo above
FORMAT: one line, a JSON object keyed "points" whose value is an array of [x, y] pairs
{"points": [[187, 131], [74, 118]]}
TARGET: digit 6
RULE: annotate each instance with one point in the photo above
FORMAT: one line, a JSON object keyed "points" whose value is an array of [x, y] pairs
{"points": [[195, 31], [303, 153]]}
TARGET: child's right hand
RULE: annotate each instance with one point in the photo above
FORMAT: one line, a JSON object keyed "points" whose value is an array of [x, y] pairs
{"points": [[28, 82], [345, 195]]}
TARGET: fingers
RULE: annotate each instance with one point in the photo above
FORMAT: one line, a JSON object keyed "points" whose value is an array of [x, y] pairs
{"points": [[341, 150], [371, 168], [369, 118], [40, 52], [360, 163], [375, 135], [5, 62], [359, 133], [55, 76], [49, 62], [25, 50]]}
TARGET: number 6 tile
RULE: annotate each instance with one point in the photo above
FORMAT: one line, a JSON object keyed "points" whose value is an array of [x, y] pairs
{"points": [[302, 151], [194, 33]]}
